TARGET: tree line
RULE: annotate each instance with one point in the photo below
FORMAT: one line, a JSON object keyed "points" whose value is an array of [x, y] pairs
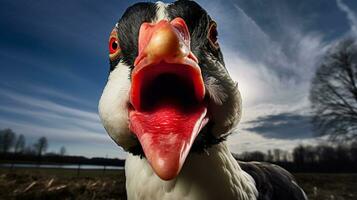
{"points": [[320, 158], [10, 142], [13, 149]]}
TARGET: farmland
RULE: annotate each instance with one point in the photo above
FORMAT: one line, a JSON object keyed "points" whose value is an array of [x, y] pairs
{"points": [[110, 184]]}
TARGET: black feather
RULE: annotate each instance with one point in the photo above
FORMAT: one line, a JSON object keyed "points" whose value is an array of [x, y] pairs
{"points": [[128, 31], [273, 182]]}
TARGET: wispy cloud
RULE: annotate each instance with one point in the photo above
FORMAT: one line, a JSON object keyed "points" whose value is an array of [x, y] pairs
{"points": [[65, 135], [273, 74], [53, 119], [50, 106], [246, 141], [351, 16], [36, 116], [60, 95]]}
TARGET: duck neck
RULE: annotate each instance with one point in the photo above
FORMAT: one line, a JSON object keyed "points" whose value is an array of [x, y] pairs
{"points": [[214, 174]]}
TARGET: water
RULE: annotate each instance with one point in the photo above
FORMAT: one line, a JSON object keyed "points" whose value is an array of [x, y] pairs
{"points": [[65, 166]]}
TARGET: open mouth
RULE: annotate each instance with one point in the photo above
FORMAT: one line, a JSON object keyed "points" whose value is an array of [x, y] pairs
{"points": [[167, 96], [168, 113], [167, 83], [168, 89]]}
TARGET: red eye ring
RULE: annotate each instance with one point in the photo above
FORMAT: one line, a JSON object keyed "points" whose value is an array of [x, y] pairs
{"points": [[113, 45]]}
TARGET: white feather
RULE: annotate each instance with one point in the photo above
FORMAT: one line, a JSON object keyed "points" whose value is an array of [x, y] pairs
{"points": [[216, 175], [161, 13], [113, 106]]}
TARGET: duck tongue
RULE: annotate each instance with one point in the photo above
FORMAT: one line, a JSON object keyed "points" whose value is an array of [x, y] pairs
{"points": [[166, 135]]}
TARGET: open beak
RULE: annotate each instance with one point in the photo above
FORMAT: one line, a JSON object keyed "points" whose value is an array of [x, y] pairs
{"points": [[167, 96]]}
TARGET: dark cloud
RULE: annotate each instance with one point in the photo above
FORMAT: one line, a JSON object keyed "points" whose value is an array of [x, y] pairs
{"points": [[282, 126]]}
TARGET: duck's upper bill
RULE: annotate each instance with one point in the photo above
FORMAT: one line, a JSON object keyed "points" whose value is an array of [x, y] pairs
{"points": [[167, 96]]}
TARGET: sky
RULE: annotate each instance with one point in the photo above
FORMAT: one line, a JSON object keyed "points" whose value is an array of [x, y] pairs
{"points": [[54, 66]]}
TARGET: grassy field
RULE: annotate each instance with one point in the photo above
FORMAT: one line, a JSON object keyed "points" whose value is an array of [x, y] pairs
{"points": [[328, 186], [61, 184], [96, 184]]}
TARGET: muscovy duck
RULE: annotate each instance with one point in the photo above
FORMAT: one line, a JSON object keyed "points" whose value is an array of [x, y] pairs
{"points": [[170, 102]]}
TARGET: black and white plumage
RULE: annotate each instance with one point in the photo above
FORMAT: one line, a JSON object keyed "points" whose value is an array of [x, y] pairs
{"points": [[272, 181], [209, 170]]}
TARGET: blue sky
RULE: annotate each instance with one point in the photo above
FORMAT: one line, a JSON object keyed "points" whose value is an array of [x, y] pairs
{"points": [[54, 65]]}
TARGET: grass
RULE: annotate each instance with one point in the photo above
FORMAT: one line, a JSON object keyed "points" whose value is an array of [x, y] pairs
{"points": [[328, 186], [61, 184], [97, 184], [66, 173]]}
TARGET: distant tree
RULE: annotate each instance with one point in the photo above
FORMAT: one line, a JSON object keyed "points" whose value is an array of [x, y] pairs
{"points": [[62, 151], [277, 155], [253, 156], [299, 154], [353, 151], [20, 144], [342, 153], [310, 154], [333, 93], [7, 138], [284, 156], [258, 156], [270, 156], [41, 146], [326, 153]]}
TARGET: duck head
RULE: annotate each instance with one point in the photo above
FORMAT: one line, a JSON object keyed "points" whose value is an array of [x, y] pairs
{"points": [[168, 92]]}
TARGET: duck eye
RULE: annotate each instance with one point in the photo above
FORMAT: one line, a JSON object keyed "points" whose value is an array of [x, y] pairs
{"points": [[113, 45], [114, 48], [213, 35]]}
